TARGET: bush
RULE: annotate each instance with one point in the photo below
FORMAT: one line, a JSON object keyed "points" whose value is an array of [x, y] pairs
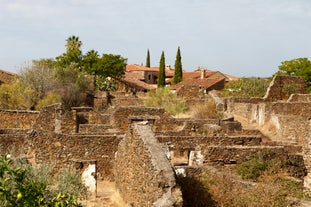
{"points": [[247, 87], [252, 168], [164, 98], [22, 185], [49, 99]]}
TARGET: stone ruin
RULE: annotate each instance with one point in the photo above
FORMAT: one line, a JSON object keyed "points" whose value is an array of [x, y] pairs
{"points": [[142, 149]]}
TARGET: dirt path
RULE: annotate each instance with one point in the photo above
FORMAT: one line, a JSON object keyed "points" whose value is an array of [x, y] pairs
{"points": [[107, 196]]}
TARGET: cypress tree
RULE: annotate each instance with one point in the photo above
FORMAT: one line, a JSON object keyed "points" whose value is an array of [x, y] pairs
{"points": [[178, 68], [161, 75], [148, 59]]}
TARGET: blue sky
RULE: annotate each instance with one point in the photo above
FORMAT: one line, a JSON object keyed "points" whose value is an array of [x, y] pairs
{"points": [[238, 37]]}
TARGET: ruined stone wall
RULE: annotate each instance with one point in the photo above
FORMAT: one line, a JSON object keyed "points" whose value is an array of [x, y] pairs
{"points": [[161, 121], [17, 119], [281, 87], [144, 175], [13, 143], [191, 91], [61, 150]]}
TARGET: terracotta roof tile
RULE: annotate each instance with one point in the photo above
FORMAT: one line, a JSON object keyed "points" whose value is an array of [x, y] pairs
{"points": [[205, 83]]}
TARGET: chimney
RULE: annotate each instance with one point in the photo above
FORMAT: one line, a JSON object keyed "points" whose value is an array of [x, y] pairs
{"points": [[202, 73]]}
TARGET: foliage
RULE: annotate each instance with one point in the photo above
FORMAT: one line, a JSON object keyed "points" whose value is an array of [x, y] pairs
{"points": [[253, 168], [148, 59], [161, 75], [49, 99], [21, 185], [74, 85], [247, 87], [16, 96], [69, 183], [40, 77], [300, 67], [73, 53], [163, 97], [178, 68]]}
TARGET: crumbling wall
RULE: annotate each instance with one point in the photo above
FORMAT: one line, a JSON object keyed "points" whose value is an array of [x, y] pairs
{"points": [[144, 175], [281, 87], [157, 117], [17, 118], [61, 150]]}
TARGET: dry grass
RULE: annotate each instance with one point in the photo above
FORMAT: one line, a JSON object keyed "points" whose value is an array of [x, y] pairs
{"points": [[205, 110], [218, 189]]}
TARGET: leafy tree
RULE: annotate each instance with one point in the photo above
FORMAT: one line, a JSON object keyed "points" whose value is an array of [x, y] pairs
{"points": [[109, 69], [297, 67], [148, 59], [247, 87], [161, 74], [178, 68], [73, 53], [40, 77]]}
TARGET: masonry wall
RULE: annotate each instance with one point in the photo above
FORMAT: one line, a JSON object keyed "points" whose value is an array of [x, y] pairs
{"points": [[17, 119], [144, 175], [61, 150], [281, 87]]}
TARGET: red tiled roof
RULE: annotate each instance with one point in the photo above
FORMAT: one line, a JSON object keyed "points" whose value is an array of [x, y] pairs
{"points": [[205, 83], [138, 84], [6, 77], [135, 67]]}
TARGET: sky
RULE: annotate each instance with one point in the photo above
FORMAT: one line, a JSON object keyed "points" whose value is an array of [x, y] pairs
{"points": [[244, 38]]}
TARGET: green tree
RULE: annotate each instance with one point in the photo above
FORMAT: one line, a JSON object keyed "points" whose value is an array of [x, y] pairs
{"points": [[161, 74], [178, 68], [73, 53], [148, 59], [300, 67], [109, 69]]}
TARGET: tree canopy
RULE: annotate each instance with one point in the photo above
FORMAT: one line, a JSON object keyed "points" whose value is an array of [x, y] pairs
{"points": [[300, 67], [161, 74], [178, 68], [148, 59]]}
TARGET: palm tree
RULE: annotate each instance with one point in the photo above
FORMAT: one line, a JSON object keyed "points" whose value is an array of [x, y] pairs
{"points": [[73, 43]]}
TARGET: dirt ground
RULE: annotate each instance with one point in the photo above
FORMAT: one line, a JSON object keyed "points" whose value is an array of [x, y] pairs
{"points": [[107, 196]]}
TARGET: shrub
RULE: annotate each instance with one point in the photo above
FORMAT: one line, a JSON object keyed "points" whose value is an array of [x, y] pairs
{"points": [[247, 87], [24, 185], [163, 97], [252, 169], [49, 99]]}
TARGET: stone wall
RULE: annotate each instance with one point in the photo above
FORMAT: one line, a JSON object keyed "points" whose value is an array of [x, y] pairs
{"points": [[281, 87], [17, 119], [62, 150], [144, 175]]}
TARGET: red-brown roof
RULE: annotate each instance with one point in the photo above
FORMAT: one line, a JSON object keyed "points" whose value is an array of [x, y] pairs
{"points": [[134, 67], [138, 84], [6, 77], [206, 83]]}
